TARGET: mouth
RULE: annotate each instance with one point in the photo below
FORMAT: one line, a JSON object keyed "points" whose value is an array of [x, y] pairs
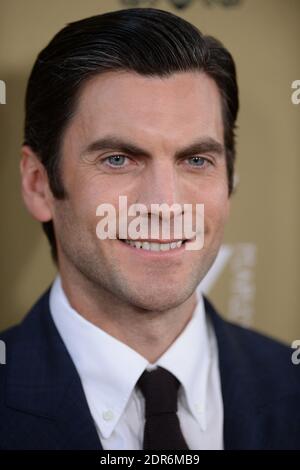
{"points": [[157, 246]]}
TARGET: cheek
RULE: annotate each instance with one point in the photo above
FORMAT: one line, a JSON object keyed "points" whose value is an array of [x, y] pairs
{"points": [[84, 200], [216, 210]]}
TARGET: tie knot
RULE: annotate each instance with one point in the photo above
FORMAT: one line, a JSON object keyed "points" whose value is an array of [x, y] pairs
{"points": [[159, 388]]}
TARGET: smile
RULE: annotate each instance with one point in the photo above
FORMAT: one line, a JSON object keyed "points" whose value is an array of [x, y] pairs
{"points": [[154, 246]]}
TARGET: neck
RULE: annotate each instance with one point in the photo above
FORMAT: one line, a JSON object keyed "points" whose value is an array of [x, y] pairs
{"points": [[148, 332]]}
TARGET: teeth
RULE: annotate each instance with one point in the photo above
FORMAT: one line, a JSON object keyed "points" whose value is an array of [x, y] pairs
{"points": [[154, 246], [165, 246]]}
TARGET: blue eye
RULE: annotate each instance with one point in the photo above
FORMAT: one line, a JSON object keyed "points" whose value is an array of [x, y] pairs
{"points": [[198, 161], [116, 160]]}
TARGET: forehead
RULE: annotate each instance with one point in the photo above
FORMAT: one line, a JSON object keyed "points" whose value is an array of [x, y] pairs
{"points": [[178, 106]]}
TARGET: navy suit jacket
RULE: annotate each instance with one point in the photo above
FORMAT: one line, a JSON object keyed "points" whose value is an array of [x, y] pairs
{"points": [[43, 406]]}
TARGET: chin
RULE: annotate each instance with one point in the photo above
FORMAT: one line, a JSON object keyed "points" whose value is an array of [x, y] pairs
{"points": [[159, 299]]}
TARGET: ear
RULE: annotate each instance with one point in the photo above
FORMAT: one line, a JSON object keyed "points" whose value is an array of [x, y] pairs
{"points": [[36, 193]]}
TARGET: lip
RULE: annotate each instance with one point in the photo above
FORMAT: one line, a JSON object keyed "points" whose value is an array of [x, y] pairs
{"points": [[155, 254], [154, 240]]}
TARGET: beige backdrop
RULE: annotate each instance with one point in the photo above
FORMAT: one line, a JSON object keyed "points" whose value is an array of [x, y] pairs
{"points": [[256, 278]]}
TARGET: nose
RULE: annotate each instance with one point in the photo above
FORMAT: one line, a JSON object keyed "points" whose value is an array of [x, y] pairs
{"points": [[160, 185], [161, 194]]}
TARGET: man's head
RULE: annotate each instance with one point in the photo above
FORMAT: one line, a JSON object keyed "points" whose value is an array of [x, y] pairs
{"points": [[151, 80]]}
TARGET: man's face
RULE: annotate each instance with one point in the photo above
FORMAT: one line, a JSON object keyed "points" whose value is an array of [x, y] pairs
{"points": [[161, 117]]}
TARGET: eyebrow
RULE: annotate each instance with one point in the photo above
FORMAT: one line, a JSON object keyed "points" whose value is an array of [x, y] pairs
{"points": [[200, 145]]}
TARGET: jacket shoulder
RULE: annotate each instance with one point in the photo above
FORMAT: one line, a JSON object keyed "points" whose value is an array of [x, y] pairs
{"points": [[24, 332], [268, 360]]}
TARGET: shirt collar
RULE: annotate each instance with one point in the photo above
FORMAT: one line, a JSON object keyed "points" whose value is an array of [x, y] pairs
{"points": [[102, 361], [188, 358]]}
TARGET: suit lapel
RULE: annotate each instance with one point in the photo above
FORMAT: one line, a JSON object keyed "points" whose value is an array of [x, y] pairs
{"points": [[42, 381], [245, 424]]}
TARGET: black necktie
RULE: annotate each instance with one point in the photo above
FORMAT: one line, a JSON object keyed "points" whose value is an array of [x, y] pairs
{"points": [[162, 428]]}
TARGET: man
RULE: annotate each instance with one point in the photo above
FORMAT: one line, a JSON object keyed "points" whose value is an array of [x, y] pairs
{"points": [[123, 351]]}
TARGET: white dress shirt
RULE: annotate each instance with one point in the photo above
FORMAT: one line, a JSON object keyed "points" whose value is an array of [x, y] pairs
{"points": [[109, 370]]}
